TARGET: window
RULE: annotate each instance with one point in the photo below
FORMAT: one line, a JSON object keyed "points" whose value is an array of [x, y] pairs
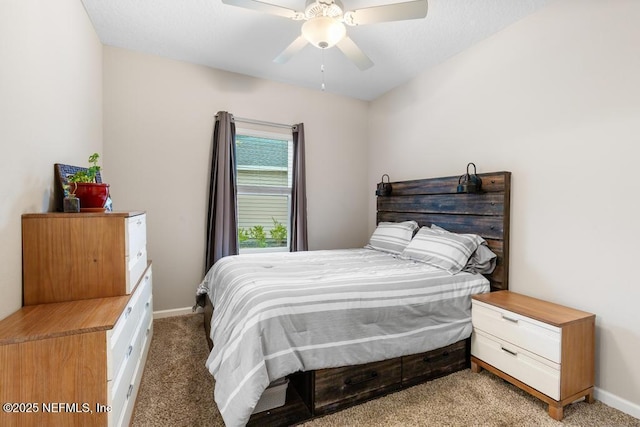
{"points": [[264, 163]]}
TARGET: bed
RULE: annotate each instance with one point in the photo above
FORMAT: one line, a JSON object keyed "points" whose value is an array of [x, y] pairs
{"points": [[348, 325]]}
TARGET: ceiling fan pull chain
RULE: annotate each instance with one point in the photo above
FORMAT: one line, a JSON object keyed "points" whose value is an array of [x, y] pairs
{"points": [[322, 69]]}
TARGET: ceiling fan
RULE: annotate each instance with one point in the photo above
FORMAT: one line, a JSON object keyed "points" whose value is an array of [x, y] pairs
{"points": [[325, 23]]}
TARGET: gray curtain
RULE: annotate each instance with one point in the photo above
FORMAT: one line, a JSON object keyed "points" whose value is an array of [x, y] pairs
{"points": [[298, 220], [222, 218]]}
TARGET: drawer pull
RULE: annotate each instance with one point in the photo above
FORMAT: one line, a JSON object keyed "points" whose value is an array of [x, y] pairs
{"points": [[147, 333], [509, 319], [139, 254], [146, 306], [129, 391], [129, 350], [128, 312], [359, 379], [513, 353], [428, 359]]}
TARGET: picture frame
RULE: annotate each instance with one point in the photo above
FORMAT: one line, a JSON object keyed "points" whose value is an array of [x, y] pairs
{"points": [[61, 173]]}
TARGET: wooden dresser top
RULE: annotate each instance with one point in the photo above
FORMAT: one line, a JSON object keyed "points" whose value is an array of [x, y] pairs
{"points": [[80, 214], [41, 321]]}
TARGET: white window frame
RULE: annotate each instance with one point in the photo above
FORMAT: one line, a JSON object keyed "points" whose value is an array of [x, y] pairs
{"points": [[269, 190]]}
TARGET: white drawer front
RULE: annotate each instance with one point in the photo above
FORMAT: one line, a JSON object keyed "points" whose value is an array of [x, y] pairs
{"points": [[537, 337], [535, 371], [147, 319], [136, 234], [136, 249], [119, 339], [122, 386], [142, 346], [129, 403], [135, 267]]}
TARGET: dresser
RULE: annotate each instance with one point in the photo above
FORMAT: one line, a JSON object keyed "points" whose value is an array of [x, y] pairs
{"points": [[76, 363], [543, 348], [69, 356], [72, 256]]}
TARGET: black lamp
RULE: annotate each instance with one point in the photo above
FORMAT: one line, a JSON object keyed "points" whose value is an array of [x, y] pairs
{"points": [[470, 183], [384, 188]]}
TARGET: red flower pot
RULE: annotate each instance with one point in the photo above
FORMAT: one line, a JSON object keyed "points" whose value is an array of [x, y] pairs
{"points": [[92, 195]]}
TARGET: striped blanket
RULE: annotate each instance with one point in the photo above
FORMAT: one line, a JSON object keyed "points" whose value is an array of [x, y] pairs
{"points": [[280, 313]]}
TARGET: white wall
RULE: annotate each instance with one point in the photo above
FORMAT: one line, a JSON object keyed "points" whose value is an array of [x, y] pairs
{"points": [[50, 112], [555, 99], [158, 121]]}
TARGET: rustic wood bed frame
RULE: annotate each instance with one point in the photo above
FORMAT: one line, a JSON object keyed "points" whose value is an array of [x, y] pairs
{"points": [[427, 201]]}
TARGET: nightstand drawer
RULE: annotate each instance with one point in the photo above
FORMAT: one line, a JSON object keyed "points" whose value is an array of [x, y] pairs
{"points": [[524, 332], [536, 371]]}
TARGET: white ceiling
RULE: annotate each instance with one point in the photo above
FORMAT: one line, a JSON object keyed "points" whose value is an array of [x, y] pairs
{"points": [[210, 33]]}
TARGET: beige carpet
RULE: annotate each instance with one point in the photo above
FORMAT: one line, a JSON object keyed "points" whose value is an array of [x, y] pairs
{"points": [[177, 390]]}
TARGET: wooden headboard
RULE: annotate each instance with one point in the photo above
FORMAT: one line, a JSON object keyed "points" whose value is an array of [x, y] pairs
{"points": [[436, 201]]}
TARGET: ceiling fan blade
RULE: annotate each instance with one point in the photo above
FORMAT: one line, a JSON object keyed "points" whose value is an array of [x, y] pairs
{"points": [[388, 12], [291, 50], [353, 52], [260, 6]]}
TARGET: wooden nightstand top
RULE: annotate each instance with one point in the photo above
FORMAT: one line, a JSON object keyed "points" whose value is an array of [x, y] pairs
{"points": [[544, 311]]}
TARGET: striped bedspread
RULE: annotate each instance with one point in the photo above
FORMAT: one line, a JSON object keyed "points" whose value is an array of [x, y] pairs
{"points": [[280, 313]]}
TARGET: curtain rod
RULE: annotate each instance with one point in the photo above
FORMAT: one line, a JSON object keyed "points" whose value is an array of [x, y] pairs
{"points": [[260, 122]]}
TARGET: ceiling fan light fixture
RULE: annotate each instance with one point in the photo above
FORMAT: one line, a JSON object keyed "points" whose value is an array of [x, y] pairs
{"points": [[323, 32]]}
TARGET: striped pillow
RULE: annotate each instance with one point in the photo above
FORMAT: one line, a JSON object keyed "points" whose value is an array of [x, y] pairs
{"points": [[392, 237], [448, 251]]}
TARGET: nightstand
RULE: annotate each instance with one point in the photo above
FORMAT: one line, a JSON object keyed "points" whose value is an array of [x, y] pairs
{"points": [[543, 348]]}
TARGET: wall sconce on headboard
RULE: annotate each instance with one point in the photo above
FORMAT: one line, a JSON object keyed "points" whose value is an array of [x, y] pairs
{"points": [[384, 188], [470, 183]]}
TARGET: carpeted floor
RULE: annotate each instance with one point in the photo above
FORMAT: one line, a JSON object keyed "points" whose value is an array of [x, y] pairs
{"points": [[177, 390]]}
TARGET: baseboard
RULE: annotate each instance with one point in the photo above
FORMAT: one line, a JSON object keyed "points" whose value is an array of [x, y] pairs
{"points": [[617, 402], [160, 314]]}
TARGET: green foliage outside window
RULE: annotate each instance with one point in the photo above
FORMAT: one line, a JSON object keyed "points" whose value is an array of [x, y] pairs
{"points": [[243, 235], [257, 233], [256, 237], [278, 233]]}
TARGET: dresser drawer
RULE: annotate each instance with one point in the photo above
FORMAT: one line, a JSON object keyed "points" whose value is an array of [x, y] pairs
{"points": [[533, 370], [136, 234], [120, 338], [340, 387], [128, 404], [537, 337], [121, 389], [136, 249], [432, 364]]}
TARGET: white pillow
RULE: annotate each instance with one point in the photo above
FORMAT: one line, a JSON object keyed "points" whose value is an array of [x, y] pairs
{"points": [[482, 261], [392, 237], [448, 251]]}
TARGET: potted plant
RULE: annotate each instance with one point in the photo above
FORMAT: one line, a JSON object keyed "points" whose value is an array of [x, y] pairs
{"points": [[82, 184]]}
